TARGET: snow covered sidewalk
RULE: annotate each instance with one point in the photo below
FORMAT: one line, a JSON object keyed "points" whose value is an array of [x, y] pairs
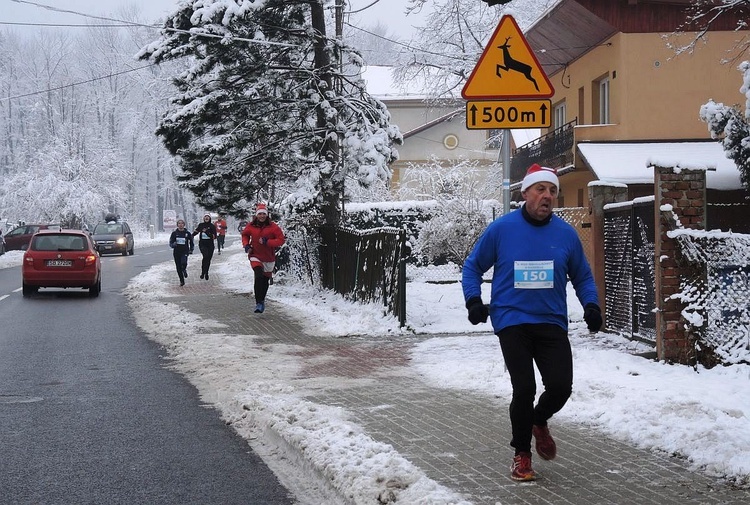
{"points": [[390, 417]]}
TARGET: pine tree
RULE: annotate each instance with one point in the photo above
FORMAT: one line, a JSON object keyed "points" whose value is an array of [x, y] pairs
{"points": [[263, 107]]}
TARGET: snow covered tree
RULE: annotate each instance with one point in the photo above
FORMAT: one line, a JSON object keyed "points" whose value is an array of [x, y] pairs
{"points": [[61, 185], [263, 111], [376, 43], [731, 125], [727, 123], [461, 190], [82, 91]]}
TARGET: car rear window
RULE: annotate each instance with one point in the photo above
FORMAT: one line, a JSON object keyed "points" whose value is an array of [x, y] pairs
{"points": [[61, 242], [108, 228]]}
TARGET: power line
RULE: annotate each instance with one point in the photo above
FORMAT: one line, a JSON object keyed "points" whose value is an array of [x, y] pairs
{"points": [[57, 88], [363, 8], [165, 28], [60, 25], [407, 46]]}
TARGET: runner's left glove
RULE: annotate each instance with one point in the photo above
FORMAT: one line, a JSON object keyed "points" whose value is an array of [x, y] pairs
{"points": [[592, 314], [478, 311]]}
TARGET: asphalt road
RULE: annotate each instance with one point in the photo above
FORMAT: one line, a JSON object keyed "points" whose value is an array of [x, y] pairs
{"points": [[90, 414]]}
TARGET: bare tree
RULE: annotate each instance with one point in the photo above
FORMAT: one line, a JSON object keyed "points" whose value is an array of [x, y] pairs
{"points": [[704, 15], [453, 38]]}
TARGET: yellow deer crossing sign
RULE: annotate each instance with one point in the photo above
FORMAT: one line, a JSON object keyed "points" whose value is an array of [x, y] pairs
{"points": [[507, 69]]}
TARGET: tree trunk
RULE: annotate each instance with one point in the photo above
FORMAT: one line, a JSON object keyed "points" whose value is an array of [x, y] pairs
{"points": [[332, 188]]}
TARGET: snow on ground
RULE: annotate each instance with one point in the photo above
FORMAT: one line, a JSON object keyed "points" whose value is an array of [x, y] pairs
{"points": [[702, 415]]}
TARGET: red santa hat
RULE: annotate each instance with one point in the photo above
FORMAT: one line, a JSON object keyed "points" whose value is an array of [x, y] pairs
{"points": [[261, 209], [537, 173]]}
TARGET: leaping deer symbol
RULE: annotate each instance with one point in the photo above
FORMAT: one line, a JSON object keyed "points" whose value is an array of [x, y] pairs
{"points": [[511, 64]]}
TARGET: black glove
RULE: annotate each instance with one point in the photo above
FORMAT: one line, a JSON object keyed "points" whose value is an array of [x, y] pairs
{"points": [[247, 248], [592, 314], [264, 240], [478, 311]]}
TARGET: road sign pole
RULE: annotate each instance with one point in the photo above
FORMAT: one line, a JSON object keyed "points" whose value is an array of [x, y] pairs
{"points": [[505, 152]]}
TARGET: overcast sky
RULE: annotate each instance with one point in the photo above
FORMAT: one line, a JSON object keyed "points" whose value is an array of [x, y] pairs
{"points": [[389, 12]]}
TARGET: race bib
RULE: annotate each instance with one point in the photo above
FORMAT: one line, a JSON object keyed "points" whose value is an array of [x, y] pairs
{"points": [[179, 240], [533, 274], [204, 236]]}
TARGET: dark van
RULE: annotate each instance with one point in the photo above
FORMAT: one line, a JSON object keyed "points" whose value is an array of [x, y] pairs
{"points": [[113, 237]]}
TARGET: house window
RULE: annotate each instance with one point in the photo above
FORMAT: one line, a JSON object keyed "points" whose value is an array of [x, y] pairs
{"points": [[494, 139], [603, 100], [559, 115]]}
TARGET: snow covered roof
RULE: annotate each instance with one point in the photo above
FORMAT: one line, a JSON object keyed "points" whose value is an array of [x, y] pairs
{"points": [[632, 163], [523, 136], [381, 85]]}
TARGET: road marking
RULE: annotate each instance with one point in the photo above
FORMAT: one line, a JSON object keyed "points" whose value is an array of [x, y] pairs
{"points": [[3, 297]]}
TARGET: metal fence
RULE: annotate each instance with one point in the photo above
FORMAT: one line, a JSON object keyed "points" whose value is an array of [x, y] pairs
{"points": [[718, 295], [578, 218], [629, 278]]}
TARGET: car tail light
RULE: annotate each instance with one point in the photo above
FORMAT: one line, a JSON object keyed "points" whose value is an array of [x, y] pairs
{"points": [[28, 259], [90, 259]]}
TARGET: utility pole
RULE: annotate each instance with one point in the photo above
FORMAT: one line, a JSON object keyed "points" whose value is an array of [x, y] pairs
{"points": [[340, 93], [339, 13]]}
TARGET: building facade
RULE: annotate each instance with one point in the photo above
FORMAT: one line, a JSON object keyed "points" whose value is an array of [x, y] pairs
{"points": [[618, 82]]}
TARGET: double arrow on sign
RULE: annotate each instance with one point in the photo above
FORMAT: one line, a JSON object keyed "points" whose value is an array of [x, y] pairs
{"points": [[495, 114]]}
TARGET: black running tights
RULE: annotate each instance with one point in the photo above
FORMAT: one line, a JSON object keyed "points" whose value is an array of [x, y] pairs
{"points": [[548, 346], [261, 285]]}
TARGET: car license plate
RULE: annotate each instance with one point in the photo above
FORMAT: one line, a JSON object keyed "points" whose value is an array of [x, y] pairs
{"points": [[59, 263]]}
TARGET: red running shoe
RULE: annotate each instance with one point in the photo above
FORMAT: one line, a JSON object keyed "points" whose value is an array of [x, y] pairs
{"points": [[521, 468], [545, 444]]}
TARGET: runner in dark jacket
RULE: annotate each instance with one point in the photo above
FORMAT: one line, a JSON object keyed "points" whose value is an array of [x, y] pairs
{"points": [[181, 242], [206, 232]]}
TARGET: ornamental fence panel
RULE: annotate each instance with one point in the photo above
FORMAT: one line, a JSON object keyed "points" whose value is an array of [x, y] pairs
{"points": [[717, 296], [630, 277]]}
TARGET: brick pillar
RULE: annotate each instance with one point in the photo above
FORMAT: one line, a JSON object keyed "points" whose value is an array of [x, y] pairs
{"points": [[600, 194], [685, 191]]}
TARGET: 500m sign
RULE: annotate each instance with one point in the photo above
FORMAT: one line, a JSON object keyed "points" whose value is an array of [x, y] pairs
{"points": [[498, 114]]}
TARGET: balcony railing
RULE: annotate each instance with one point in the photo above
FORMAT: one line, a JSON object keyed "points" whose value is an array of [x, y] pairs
{"points": [[554, 150]]}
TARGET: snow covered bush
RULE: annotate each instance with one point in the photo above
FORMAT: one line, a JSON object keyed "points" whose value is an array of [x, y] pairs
{"points": [[463, 192], [731, 126]]}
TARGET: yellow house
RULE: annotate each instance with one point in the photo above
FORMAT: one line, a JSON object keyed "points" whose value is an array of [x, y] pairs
{"points": [[618, 84]]}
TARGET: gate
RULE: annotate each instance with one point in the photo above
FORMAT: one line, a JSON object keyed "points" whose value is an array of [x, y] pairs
{"points": [[629, 281]]}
